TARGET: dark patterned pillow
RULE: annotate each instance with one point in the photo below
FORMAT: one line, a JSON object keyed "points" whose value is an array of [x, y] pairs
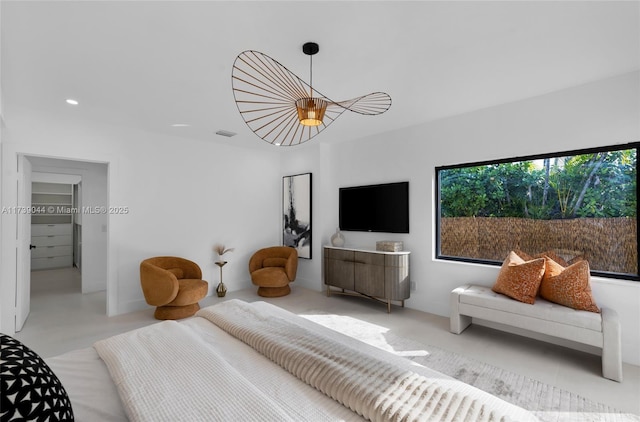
{"points": [[30, 390]]}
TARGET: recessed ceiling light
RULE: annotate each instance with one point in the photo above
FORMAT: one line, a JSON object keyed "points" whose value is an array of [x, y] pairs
{"points": [[180, 125], [72, 101]]}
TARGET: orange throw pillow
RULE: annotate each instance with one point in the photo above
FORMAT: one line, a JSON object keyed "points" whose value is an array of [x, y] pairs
{"points": [[551, 254], [548, 254], [520, 279], [568, 286], [525, 255]]}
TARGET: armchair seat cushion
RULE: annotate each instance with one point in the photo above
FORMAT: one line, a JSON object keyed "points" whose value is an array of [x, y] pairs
{"points": [[270, 277], [190, 291]]}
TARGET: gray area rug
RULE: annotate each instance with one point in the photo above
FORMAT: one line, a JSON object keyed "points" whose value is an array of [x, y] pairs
{"points": [[547, 402]]}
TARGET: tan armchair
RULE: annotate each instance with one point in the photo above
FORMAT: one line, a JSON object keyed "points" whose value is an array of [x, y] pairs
{"points": [[272, 269], [172, 284]]}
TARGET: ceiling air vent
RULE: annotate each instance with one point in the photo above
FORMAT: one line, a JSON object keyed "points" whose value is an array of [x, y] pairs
{"points": [[226, 133]]}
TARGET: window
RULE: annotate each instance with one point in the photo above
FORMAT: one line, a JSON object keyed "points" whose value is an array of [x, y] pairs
{"points": [[572, 205]]}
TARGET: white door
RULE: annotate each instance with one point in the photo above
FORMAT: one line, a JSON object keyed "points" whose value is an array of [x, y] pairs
{"points": [[23, 254]]}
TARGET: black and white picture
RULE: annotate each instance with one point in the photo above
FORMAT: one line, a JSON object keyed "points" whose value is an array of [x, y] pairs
{"points": [[296, 207]]}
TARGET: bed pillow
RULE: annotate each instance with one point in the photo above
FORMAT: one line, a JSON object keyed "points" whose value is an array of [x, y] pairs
{"points": [[30, 389], [568, 286], [520, 279]]}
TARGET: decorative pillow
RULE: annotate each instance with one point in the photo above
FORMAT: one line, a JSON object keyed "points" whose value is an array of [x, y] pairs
{"points": [[574, 260], [520, 279], [554, 256], [525, 256], [568, 286], [30, 390], [547, 254]]}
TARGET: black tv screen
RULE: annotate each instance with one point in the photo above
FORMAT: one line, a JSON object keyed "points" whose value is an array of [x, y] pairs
{"points": [[375, 208]]}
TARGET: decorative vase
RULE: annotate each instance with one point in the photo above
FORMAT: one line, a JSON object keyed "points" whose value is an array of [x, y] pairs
{"points": [[338, 238], [221, 290]]}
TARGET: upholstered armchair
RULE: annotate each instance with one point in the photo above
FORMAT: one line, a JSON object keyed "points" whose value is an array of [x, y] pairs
{"points": [[174, 285], [272, 269]]}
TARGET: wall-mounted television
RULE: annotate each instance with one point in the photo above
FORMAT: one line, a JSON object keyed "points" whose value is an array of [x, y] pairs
{"points": [[375, 208]]}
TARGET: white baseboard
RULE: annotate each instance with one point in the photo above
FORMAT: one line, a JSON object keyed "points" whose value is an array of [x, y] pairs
{"points": [[132, 306]]}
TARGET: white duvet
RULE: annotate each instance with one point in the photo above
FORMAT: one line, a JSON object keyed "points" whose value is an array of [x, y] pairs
{"points": [[166, 373], [176, 371]]}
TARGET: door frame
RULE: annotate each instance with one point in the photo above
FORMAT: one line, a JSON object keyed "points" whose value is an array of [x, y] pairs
{"points": [[23, 245], [8, 224]]}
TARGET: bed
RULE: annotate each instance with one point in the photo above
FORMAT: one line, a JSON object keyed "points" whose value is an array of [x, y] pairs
{"points": [[254, 361]]}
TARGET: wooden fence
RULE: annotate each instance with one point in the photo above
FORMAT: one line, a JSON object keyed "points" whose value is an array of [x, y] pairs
{"points": [[609, 244]]}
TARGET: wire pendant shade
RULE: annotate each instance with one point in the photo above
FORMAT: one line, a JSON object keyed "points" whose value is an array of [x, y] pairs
{"points": [[284, 110]]}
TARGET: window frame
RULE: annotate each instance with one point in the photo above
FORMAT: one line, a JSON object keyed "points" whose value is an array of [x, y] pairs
{"points": [[609, 148]]}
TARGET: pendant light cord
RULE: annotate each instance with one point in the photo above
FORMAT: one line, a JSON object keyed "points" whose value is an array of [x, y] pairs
{"points": [[311, 73]]}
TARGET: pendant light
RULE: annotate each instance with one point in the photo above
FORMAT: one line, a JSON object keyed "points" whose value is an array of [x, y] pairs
{"points": [[311, 110], [281, 108]]}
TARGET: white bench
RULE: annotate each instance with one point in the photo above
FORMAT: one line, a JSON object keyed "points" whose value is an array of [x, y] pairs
{"points": [[601, 330]]}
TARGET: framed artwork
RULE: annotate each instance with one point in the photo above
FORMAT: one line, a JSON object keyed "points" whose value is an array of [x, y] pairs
{"points": [[296, 213]]}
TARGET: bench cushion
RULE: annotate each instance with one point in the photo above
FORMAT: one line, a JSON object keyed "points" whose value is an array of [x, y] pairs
{"points": [[484, 297]]}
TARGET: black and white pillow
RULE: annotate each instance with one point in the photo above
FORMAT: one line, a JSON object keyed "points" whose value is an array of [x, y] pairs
{"points": [[30, 390]]}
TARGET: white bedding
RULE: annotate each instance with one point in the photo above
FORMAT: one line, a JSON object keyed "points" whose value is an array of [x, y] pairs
{"points": [[295, 399], [94, 397], [195, 382]]}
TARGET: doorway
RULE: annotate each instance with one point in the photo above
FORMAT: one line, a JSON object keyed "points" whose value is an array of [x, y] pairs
{"points": [[87, 260]]}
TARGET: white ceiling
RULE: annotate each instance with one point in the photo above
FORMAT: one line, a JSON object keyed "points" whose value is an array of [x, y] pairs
{"points": [[150, 64]]}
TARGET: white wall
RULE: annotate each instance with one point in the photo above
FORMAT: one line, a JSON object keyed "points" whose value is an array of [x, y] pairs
{"points": [[312, 158], [186, 195], [602, 113], [183, 196]]}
